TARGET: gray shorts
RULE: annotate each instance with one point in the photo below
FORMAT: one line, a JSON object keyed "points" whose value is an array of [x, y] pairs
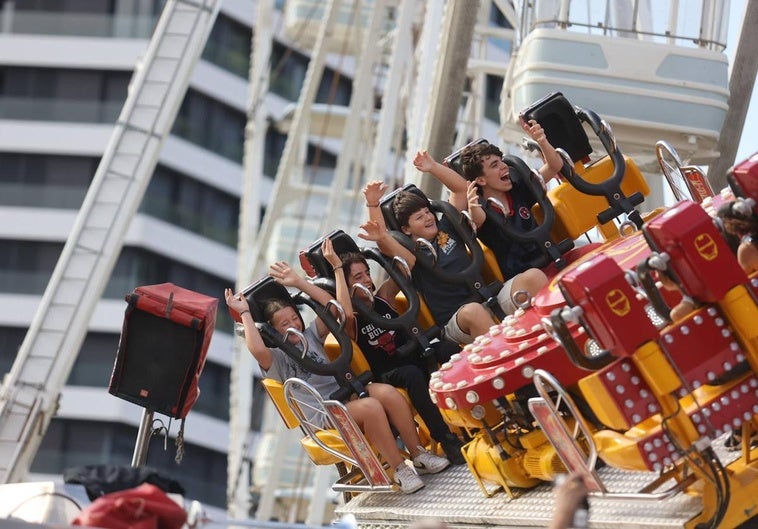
{"points": [[453, 331]]}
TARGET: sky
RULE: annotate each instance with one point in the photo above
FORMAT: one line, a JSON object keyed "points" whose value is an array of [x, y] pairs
{"points": [[749, 141]]}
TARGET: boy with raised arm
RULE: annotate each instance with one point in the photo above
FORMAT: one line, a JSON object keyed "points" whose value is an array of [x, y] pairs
{"points": [[455, 309], [485, 171]]}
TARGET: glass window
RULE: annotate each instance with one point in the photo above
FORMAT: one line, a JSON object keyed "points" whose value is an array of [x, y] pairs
{"points": [[95, 360], [274, 148], [214, 391], [192, 205], [26, 266], [288, 69], [97, 356], [497, 18], [493, 92], [97, 18], [40, 180], [334, 88], [10, 341], [51, 94], [229, 46], [79, 6], [211, 125]]}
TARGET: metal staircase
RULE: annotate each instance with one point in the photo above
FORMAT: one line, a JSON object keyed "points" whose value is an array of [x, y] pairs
{"points": [[29, 394]]}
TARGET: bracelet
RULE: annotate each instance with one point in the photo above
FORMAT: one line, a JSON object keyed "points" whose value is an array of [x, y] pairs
{"points": [[243, 312], [335, 268], [475, 205], [372, 205]]}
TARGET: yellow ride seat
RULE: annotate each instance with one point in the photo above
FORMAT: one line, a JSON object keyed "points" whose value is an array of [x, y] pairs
{"points": [[576, 213], [491, 270], [275, 391], [357, 461]]}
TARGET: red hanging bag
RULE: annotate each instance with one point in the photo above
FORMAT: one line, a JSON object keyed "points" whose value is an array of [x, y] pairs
{"points": [[143, 507]]}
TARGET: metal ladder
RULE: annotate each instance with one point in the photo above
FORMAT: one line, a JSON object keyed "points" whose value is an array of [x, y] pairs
{"points": [[30, 392]]}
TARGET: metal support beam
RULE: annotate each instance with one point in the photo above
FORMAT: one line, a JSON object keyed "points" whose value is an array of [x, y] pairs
{"points": [[458, 23], [242, 369]]}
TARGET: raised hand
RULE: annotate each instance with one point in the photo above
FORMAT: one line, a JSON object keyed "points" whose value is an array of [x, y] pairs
{"points": [[423, 161], [472, 195], [534, 130], [327, 248], [236, 302], [373, 191], [284, 274], [372, 231]]}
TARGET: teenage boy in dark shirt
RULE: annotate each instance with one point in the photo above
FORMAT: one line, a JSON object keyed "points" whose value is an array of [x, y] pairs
{"points": [[489, 176]]}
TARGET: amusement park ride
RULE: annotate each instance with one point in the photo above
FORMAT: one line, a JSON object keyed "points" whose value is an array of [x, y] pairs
{"points": [[592, 374]]}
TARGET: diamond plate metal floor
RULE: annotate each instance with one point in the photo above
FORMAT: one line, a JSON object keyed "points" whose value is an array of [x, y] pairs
{"points": [[454, 497]]}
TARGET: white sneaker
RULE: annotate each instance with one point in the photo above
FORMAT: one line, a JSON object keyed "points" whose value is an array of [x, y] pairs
{"points": [[407, 479], [427, 463]]}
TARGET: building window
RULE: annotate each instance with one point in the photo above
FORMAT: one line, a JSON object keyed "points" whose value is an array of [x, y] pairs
{"points": [[10, 342], [95, 360], [192, 205], [71, 443], [94, 18], [318, 161], [214, 391], [40, 180], [497, 18], [26, 267], [229, 46], [44, 180], [56, 94], [493, 92], [97, 356], [288, 69], [211, 125]]}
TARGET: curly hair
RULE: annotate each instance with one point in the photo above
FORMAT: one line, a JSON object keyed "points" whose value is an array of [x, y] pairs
{"points": [[472, 157], [737, 223]]}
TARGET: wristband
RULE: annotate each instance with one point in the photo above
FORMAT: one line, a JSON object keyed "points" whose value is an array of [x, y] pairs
{"points": [[475, 205], [335, 268], [243, 312], [372, 205]]}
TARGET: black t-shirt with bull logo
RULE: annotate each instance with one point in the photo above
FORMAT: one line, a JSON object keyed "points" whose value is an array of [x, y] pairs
{"points": [[379, 345]]}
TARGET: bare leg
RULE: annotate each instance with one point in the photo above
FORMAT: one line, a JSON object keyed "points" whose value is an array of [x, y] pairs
{"points": [[474, 320], [370, 416], [399, 413], [531, 280]]}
